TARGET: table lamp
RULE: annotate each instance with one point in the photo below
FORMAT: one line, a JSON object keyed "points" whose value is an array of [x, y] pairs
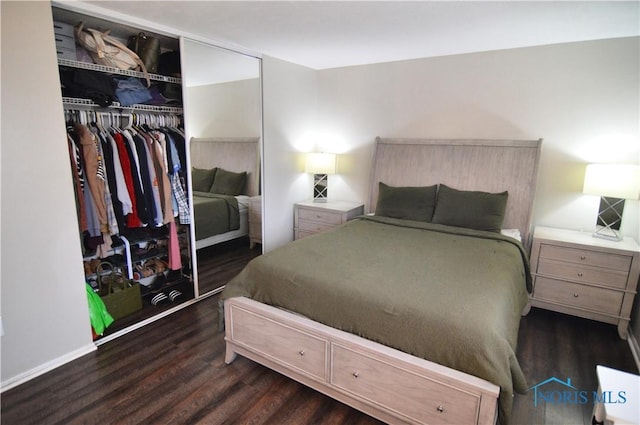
{"points": [[320, 165]]}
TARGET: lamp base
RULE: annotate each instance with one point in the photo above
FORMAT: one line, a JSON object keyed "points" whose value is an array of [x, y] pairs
{"points": [[320, 188], [609, 219], [608, 234]]}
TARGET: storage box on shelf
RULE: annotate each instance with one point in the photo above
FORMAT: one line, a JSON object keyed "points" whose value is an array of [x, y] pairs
{"points": [[65, 40]]}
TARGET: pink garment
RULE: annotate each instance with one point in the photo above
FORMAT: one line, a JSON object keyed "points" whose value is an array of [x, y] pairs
{"points": [[175, 260]]}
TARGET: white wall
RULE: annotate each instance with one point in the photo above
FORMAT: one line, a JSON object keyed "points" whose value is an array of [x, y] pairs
{"points": [[44, 303], [575, 96], [289, 100], [581, 98], [224, 110]]}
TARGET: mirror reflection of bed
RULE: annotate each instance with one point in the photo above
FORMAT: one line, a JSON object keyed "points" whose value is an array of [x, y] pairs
{"points": [[225, 177], [223, 111]]}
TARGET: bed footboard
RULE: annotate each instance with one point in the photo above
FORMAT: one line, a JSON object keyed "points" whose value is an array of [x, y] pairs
{"points": [[383, 382]]}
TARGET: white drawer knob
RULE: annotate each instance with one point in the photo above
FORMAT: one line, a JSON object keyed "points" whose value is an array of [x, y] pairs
{"points": [[579, 274], [582, 257], [356, 374], [575, 295], [301, 352], [440, 408]]}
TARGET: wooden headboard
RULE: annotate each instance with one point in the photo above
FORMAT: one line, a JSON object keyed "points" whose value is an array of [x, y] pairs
{"points": [[486, 165], [235, 154]]}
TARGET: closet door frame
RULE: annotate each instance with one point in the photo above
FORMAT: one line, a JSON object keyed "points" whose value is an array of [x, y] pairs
{"points": [[189, 135], [119, 20]]}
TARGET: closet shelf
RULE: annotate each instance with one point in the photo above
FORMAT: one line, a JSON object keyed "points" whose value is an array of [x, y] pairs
{"points": [[112, 70], [73, 101]]}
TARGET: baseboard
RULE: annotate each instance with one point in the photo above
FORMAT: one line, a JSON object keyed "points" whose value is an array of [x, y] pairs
{"points": [[152, 319], [635, 349], [45, 367]]}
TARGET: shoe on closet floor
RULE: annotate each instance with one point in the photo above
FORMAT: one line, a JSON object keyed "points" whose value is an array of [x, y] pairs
{"points": [[160, 299]]}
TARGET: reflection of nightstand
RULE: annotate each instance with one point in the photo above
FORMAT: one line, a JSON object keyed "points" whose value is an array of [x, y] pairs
{"points": [[575, 273], [316, 217], [255, 221]]}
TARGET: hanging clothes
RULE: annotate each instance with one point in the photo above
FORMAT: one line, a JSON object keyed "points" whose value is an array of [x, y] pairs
{"points": [[175, 259], [126, 178], [93, 173], [133, 219], [78, 182]]}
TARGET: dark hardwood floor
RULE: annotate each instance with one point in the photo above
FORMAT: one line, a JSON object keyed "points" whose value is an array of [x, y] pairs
{"points": [[217, 264], [172, 372], [556, 345]]}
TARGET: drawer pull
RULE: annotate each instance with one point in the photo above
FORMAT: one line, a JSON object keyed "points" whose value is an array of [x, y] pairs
{"points": [[582, 257], [355, 374], [301, 352], [575, 295], [579, 274], [440, 408]]}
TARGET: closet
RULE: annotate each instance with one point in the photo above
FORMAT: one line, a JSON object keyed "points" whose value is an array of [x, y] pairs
{"points": [[129, 162]]}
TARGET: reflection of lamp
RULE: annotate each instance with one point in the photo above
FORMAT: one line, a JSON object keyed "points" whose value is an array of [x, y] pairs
{"points": [[320, 164], [613, 183]]}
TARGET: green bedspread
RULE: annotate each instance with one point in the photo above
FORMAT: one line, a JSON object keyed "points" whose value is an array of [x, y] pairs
{"points": [[214, 214], [450, 295]]}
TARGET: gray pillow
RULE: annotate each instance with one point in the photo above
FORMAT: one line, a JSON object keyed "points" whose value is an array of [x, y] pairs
{"points": [[471, 209], [202, 179], [408, 203], [228, 182]]}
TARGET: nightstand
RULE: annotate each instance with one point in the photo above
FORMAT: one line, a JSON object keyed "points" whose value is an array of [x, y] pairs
{"points": [[316, 217], [577, 274], [255, 221], [609, 408]]}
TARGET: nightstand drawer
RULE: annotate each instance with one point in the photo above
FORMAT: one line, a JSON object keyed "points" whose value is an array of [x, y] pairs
{"points": [[582, 273], [322, 216], [574, 294], [314, 226], [588, 257]]}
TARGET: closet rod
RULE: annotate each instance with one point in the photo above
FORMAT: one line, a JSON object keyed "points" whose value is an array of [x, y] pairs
{"points": [[78, 103], [134, 118]]}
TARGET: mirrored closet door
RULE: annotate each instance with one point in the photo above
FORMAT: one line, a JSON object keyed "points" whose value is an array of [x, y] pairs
{"points": [[223, 123]]}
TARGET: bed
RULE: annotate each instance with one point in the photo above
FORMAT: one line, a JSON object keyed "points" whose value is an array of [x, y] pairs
{"points": [[410, 320], [221, 217]]}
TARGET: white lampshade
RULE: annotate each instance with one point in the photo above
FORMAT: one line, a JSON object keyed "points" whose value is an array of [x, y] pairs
{"points": [[320, 163], [612, 180]]}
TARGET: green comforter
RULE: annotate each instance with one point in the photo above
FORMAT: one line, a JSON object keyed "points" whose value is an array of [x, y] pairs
{"points": [[450, 295], [214, 214]]}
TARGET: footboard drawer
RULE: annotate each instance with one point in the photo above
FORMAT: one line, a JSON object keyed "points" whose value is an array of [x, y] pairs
{"points": [[406, 392], [293, 347], [388, 384]]}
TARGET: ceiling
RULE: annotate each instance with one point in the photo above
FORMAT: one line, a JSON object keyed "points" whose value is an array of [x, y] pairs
{"points": [[330, 34]]}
